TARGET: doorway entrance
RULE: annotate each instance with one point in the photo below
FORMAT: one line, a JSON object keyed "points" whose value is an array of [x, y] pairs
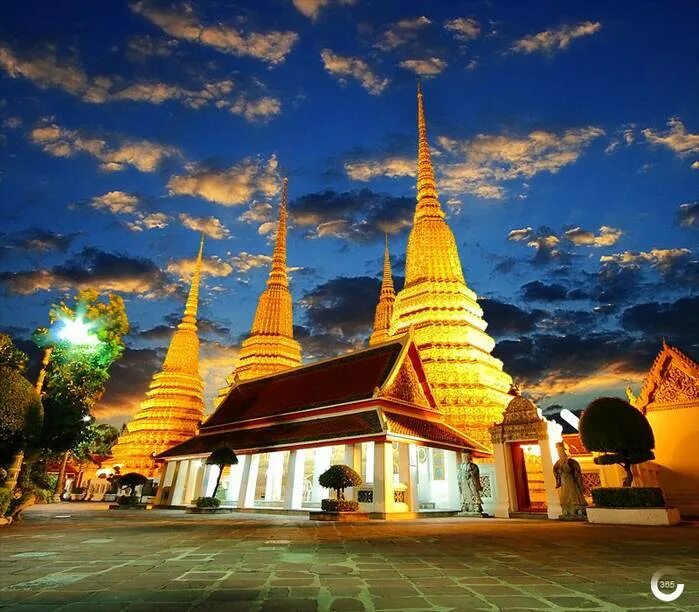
{"points": [[528, 476]]}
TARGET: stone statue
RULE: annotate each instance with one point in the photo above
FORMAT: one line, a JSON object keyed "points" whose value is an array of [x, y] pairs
{"points": [[470, 486], [569, 483]]}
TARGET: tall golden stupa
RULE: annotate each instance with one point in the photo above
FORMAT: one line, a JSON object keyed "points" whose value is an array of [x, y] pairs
{"points": [[384, 309], [447, 321], [270, 347], [174, 406]]}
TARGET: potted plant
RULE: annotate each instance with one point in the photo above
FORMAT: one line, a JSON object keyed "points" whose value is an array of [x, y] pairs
{"points": [[623, 436], [130, 481], [338, 478], [77, 494], [221, 457]]}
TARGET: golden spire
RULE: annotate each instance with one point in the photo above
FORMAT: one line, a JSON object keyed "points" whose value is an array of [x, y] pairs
{"points": [[427, 202], [444, 313], [384, 309], [174, 405], [271, 346]]}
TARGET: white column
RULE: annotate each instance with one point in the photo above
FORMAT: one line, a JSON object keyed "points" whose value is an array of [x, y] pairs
{"points": [[353, 459], [195, 481], [503, 476], [180, 482], [553, 503], [321, 462], [294, 490], [210, 477], [234, 479], [273, 482], [404, 476], [383, 477], [166, 473], [452, 478], [249, 481], [368, 476], [413, 479]]}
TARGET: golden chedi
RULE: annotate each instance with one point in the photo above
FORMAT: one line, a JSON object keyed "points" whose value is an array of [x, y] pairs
{"points": [[384, 309], [447, 321], [270, 347], [174, 406]]}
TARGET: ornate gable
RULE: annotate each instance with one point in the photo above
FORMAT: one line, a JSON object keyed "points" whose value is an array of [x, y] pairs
{"points": [[407, 386], [673, 379]]}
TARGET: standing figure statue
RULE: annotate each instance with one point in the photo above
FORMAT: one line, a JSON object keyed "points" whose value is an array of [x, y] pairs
{"points": [[569, 482], [470, 486]]}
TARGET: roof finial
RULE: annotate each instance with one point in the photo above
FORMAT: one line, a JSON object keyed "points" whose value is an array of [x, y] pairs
{"points": [[190, 309], [427, 203], [278, 273]]}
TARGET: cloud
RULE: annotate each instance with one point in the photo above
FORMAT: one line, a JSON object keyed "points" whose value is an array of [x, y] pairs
{"points": [[210, 266], [149, 221], [261, 109], [662, 259], [392, 167], [342, 67], [688, 214], [311, 8], [361, 215], [401, 33], [180, 21], [36, 240], [556, 38], [232, 186], [244, 262], [519, 235], [463, 28], [427, 67], [116, 202], [92, 268], [211, 226], [676, 138], [143, 46], [507, 319], [608, 236], [676, 320], [144, 155], [536, 291]]}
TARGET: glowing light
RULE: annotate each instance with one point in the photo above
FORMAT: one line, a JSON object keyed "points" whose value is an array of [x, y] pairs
{"points": [[570, 418], [77, 332]]}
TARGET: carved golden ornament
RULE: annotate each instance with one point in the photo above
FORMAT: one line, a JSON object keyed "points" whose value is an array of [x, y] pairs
{"points": [[407, 386], [384, 309], [676, 387]]}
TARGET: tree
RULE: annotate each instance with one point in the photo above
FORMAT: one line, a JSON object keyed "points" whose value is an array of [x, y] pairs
{"points": [[339, 477], [221, 457], [21, 416], [76, 373], [612, 426], [98, 439], [131, 481], [10, 356]]}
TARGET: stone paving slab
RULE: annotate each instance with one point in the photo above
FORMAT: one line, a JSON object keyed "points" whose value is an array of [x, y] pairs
{"points": [[130, 561]]}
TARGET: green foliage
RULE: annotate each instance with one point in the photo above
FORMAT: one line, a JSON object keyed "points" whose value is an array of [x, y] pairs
{"points": [[222, 456], [10, 356], [612, 426], [628, 497], [338, 505], [5, 499], [207, 502], [21, 413], [339, 477], [132, 480], [97, 439], [76, 375]]}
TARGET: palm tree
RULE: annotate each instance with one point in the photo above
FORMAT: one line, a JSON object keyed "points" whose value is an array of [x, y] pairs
{"points": [[221, 456]]}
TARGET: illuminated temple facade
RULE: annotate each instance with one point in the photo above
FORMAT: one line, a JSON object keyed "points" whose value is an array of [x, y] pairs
{"points": [[174, 405]]}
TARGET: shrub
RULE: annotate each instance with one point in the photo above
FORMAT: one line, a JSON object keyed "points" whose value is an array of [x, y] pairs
{"points": [[221, 456], [338, 477], [21, 413], [613, 426], [127, 500], [5, 498], [339, 505], [131, 481], [628, 497], [207, 502]]}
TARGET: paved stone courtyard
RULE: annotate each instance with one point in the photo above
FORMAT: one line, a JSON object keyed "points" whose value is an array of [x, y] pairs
{"points": [[83, 557]]}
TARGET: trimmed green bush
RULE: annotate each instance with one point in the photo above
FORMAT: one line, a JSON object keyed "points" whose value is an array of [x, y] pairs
{"points": [[131, 481], [628, 497], [207, 502], [339, 477], [5, 499], [339, 505], [612, 426], [127, 500]]}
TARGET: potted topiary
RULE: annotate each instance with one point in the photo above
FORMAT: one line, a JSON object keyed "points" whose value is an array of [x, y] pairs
{"points": [[77, 494], [130, 481], [221, 456], [623, 436], [338, 478]]}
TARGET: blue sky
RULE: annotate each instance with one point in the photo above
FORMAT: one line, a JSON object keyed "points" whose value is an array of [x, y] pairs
{"points": [[565, 138]]}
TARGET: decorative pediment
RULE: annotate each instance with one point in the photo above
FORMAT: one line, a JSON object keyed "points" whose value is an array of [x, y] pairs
{"points": [[520, 421], [672, 379], [407, 386]]}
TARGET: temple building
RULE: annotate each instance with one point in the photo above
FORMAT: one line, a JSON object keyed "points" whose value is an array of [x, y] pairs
{"points": [[174, 405], [469, 383], [270, 347], [669, 398], [384, 309]]}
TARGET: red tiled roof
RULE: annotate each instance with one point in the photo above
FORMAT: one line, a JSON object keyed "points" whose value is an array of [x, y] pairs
{"points": [[283, 435], [433, 431], [347, 378]]}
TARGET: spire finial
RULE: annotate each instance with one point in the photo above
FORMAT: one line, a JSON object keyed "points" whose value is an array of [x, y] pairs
{"points": [[384, 309], [278, 273], [427, 203], [190, 309]]}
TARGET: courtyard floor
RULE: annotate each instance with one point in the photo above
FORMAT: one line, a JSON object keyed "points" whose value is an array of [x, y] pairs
{"points": [[84, 557]]}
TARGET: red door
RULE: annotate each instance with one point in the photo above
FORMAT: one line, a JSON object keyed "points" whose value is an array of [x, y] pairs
{"points": [[519, 469]]}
